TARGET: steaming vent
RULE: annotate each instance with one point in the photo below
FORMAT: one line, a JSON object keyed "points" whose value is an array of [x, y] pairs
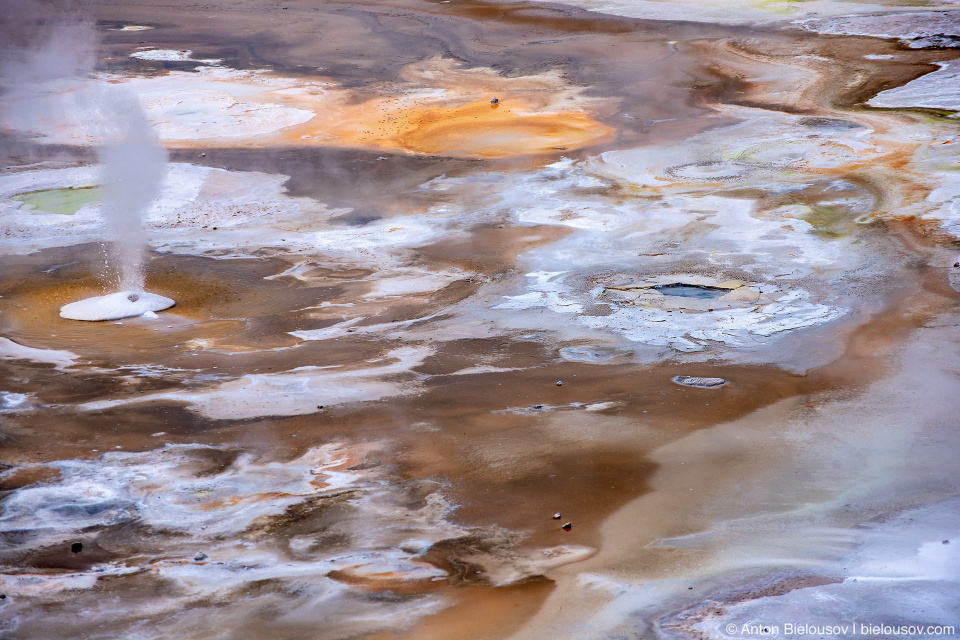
{"points": [[115, 306]]}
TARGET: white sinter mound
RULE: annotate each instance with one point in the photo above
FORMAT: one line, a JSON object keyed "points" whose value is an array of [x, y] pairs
{"points": [[114, 306]]}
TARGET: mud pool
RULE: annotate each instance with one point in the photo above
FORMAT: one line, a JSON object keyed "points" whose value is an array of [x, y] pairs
{"points": [[515, 320]]}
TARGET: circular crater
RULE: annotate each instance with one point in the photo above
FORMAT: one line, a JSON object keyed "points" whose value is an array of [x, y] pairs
{"points": [[689, 293], [707, 171]]}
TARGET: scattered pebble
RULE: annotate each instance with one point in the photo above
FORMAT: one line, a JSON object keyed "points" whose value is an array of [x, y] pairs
{"points": [[702, 383], [495, 101], [76, 547], [559, 383], [200, 557], [946, 542], [566, 526], [557, 516]]}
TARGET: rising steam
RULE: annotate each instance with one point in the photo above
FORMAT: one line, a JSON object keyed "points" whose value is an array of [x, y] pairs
{"points": [[133, 168], [35, 79]]}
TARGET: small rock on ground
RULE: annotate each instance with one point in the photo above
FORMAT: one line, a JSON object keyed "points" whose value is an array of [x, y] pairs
{"points": [[695, 381]]}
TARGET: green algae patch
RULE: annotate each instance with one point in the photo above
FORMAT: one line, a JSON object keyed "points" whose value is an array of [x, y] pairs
{"points": [[65, 202], [827, 221]]}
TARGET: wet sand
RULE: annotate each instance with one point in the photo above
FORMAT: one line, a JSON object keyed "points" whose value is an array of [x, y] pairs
{"points": [[398, 348]]}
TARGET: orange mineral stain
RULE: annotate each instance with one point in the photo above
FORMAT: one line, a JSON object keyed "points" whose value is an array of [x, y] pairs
{"points": [[434, 108], [473, 130], [443, 110]]}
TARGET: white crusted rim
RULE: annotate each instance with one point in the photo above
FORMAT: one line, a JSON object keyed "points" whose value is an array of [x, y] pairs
{"points": [[114, 306]]}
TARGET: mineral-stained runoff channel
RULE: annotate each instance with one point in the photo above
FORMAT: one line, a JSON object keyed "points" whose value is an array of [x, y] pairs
{"points": [[493, 320]]}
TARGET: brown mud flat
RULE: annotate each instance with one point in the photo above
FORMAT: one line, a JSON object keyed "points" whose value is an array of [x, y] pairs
{"points": [[510, 446], [533, 58]]}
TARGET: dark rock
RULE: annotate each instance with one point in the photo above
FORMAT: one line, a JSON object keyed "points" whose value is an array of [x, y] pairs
{"points": [[200, 557], [559, 383], [76, 547], [557, 516], [566, 526], [936, 41]]}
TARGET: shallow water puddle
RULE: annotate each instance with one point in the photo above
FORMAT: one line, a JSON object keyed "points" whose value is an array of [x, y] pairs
{"points": [[60, 201], [698, 292]]}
